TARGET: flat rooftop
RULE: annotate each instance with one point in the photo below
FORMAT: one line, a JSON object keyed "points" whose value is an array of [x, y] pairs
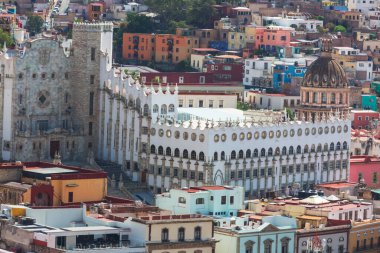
{"points": [[49, 171], [337, 185], [206, 188], [223, 114]]}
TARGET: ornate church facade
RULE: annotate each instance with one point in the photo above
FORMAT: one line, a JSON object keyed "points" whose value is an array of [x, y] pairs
{"points": [[75, 102]]}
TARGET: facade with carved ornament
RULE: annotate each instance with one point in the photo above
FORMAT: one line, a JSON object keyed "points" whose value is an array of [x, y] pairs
{"points": [[37, 102]]}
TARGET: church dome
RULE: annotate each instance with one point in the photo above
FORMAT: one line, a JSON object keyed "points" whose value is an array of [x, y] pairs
{"points": [[325, 72]]}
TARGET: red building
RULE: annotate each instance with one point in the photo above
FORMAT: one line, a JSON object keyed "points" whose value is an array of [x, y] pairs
{"points": [[95, 10], [226, 68], [363, 119], [367, 168]]}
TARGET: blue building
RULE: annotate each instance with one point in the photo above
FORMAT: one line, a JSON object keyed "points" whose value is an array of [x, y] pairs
{"points": [[285, 71], [274, 234]]}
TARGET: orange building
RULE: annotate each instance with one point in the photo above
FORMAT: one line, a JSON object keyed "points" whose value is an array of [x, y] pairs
{"points": [[139, 47], [167, 48]]}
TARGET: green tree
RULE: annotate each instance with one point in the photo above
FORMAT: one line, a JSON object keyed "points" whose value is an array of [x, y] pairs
{"points": [[340, 28], [139, 23], [201, 13], [34, 24], [330, 26], [118, 41], [168, 10], [290, 114], [184, 66], [5, 37], [319, 17], [173, 25]]}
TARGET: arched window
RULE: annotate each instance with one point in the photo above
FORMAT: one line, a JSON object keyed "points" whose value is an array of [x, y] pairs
{"points": [[326, 147], [277, 151], [164, 109], [171, 108], [332, 146], [270, 152], [146, 110], [193, 155], [215, 156], [160, 150], [241, 154], [181, 234], [291, 150], [222, 156], [165, 235], [197, 233], [201, 156], [248, 153], [233, 155], [268, 246], [306, 149], [249, 246], [155, 108], [168, 151], [255, 152], [176, 152], [285, 245], [338, 146], [312, 149], [298, 149], [138, 104], [344, 145], [283, 152], [262, 153], [152, 149], [185, 154], [319, 147]]}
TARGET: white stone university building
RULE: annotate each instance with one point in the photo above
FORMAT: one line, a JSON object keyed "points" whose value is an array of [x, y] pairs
{"points": [[72, 100]]}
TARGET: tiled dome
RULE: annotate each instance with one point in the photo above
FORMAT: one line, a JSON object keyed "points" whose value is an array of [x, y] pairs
{"points": [[325, 72]]}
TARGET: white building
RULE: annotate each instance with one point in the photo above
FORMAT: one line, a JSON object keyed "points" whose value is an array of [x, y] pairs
{"points": [[258, 72], [309, 25], [263, 100], [206, 200], [366, 70], [363, 6], [119, 119], [207, 100], [141, 130], [374, 17]]}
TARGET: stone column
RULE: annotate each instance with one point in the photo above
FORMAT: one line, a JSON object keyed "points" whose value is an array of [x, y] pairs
{"points": [[196, 165], [155, 172], [163, 169], [188, 163], [171, 173]]}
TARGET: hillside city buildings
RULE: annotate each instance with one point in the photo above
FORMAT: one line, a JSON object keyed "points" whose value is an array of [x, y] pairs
{"points": [[256, 131]]}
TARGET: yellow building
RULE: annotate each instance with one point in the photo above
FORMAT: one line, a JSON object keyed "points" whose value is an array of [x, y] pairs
{"points": [[236, 40], [47, 184], [365, 236], [179, 233]]}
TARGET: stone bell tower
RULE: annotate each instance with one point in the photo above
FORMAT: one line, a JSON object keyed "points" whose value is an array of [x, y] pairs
{"points": [[92, 44]]}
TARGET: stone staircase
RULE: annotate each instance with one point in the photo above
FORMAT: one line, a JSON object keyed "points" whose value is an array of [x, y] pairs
{"points": [[128, 187]]}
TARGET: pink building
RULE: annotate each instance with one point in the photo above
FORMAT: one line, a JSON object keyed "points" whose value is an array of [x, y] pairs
{"points": [[271, 37], [365, 168]]}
